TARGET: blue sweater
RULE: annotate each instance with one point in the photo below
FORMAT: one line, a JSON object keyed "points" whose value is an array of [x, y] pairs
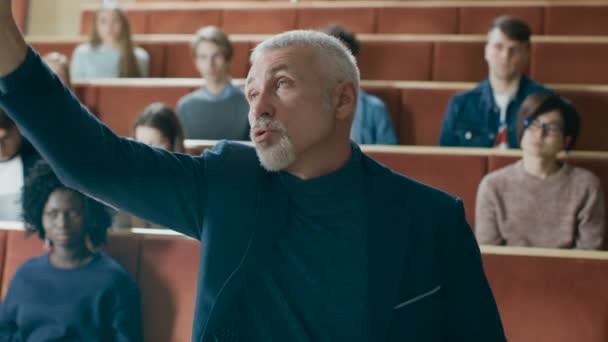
{"points": [[94, 302]]}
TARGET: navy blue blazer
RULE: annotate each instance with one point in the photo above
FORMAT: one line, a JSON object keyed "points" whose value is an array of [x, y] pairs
{"points": [[426, 281]]}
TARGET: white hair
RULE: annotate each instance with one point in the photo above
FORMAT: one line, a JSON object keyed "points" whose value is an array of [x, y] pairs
{"points": [[334, 57]]}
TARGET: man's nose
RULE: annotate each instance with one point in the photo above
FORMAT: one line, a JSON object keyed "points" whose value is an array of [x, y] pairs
{"points": [[261, 106]]}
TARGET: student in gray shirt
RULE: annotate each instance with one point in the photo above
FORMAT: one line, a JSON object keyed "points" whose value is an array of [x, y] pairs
{"points": [[218, 110]]}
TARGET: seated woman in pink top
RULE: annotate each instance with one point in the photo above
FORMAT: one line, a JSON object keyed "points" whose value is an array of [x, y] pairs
{"points": [[541, 201]]}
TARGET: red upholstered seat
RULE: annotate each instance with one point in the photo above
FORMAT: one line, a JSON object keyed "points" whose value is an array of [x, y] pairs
{"points": [[423, 20], [421, 114], [258, 20], [459, 61], [477, 19], [179, 21], [569, 62], [167, 278], [118, 106], [576, 20], [550, 299], [355, 19], [409, 60], [465, 173]]}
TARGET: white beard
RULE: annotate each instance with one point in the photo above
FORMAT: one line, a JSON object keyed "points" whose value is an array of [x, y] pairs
{"points": [[277, 156]]}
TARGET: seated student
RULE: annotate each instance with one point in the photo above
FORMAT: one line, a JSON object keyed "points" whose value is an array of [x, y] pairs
{"points": [[60, 65], [110, 52], [157, 126], [16, 157], [71, 293], [372, 123], [540, 201], [218, 110], [486, 116]]}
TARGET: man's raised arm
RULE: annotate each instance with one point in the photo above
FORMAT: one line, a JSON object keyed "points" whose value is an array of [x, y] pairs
{"points": [[156, 185], [13, 44]]}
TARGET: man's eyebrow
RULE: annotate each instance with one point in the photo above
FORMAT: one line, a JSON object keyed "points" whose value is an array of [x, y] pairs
{"points": [[272, 71]]}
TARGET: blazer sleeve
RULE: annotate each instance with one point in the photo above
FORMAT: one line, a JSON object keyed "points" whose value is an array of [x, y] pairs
{"points": [[159, 186], [470, 312]]}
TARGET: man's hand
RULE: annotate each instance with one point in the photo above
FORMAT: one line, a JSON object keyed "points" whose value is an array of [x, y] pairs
{"points": [[12, 45]]}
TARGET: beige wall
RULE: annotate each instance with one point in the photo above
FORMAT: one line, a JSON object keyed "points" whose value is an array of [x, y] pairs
{"points": [[56, 17]]}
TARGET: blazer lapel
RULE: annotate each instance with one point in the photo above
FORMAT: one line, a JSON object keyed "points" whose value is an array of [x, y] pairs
{"points": [[270, 218], [389, 228]]}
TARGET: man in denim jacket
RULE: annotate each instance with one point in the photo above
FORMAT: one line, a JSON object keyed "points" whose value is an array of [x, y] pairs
{"points": [[486, 116]]}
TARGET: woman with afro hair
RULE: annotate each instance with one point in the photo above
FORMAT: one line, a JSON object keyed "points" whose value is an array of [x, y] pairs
{"points": [[71, 293]]}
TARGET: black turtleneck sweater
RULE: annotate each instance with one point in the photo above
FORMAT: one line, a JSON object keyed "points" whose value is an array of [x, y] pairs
{"points": [[313, 287]]}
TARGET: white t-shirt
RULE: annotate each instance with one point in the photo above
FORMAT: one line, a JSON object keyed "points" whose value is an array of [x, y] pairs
{"points": [[11, 182], [502, 101], [103, 62]]}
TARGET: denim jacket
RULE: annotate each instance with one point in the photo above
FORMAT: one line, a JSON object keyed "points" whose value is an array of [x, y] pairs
{"points": [[472, 117], [372, 123]]}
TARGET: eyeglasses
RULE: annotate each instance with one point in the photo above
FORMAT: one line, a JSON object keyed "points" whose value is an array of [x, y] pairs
{"points": [[550, 128]]}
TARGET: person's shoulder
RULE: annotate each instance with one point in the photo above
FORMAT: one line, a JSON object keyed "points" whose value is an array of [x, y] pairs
{"points": [[83, 49], [402, 186], [113, 270], [237, 91], [189, 99], [535, 87], [34, 264], [472, 93], [583, 176], [371, 99], [502, 176]]}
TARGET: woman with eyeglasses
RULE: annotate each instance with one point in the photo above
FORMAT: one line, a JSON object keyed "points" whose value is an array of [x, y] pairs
{"points": [[541, 201]]}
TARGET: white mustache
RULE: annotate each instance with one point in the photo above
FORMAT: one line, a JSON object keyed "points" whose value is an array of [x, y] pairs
{"points": [[270, 124]]}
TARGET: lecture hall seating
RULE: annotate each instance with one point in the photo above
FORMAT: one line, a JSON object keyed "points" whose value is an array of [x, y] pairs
{"points": [[425, 17], [446, 58], [417, 108], [534, 288]]}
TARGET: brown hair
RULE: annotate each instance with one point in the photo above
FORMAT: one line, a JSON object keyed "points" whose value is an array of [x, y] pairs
{"points": [[128, 62], [61, 60], [513, 27], [539, 103], [161, 117], [215, 35]]}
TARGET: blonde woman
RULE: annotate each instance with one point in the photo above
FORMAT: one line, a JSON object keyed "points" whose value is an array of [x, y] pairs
{"points": [[110, 52]]}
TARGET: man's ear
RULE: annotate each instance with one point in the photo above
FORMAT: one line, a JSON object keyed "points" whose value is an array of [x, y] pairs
{"points": [[345, 98]]}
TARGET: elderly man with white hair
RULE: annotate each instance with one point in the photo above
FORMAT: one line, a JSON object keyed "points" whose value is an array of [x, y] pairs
{"points": [[306, 237]]}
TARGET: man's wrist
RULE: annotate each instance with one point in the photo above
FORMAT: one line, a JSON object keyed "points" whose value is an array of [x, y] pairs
{"points": [[12, 45]]}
